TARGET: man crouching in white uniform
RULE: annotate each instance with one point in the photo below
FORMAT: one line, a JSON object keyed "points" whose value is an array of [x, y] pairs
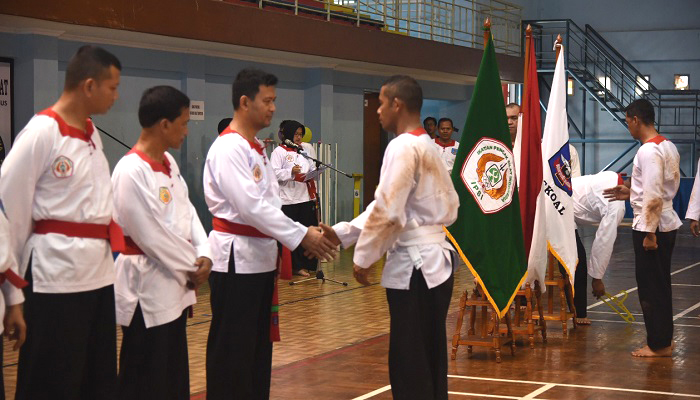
{"points": [[415, 197]]}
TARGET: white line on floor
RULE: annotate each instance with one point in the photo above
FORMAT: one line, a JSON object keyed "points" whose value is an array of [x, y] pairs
{"points": [[482, 395], [686, 311], [684, 284], [575, 386], [641, 323], [373, 393], [635, 288], [539, 391]]}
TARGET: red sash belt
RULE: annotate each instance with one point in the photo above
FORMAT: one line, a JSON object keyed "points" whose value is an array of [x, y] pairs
{"points": [[284, 265], [131, 248], [111, 232], [223, 225], [13, 278], [72, 229]]}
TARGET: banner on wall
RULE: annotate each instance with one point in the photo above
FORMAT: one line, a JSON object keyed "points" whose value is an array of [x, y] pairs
{"points": [[6, 123]]}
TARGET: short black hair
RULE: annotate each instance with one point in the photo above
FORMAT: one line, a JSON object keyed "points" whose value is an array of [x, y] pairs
{"points": [[406, 89], [642, 109], [446, 120], [425, 121], [248, 83], [224, 123], [89, 62], [509, 105], [161, 102]]}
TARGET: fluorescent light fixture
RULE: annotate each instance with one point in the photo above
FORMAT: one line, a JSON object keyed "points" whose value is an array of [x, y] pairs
{"points": [[570, 86]]}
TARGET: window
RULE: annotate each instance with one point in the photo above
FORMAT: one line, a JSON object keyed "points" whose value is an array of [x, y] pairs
{"points": [[642, 84], [681, 81]]}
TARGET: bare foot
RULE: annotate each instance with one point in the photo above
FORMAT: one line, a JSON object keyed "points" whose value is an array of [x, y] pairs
{"points": [[647, 352], [583, 321]]}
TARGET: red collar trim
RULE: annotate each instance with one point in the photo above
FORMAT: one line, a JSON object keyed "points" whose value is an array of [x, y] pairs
{"points": [[253, 145], [71, 131], [163, 167], [449, 144], [657, 139], [288, 148], [418, 132]]}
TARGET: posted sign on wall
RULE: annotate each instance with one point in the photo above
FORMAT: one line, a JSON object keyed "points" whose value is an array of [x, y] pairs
{"points": [[5, 107]]}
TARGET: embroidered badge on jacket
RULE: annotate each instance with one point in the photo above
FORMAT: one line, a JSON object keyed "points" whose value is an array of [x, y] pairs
{"points": [[164, 195], [62, 167], [257, 173]]}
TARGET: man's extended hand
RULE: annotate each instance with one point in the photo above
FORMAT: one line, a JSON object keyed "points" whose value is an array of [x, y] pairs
{"points": [[695, 227], [317, 245], [330, 234], [598, 288], [619, 192], [650, 242], [361, 274], [198, 277], [296, 169], [15, 327]]}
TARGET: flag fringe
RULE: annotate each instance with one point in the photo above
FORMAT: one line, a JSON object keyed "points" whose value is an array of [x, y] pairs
{"points": [[566, 267], [501, 313]]}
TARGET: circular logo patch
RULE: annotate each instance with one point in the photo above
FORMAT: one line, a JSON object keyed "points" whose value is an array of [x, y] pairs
{"points": [[62, 167], [290, 158], [164, 195], [489, 174], [257, 173]]}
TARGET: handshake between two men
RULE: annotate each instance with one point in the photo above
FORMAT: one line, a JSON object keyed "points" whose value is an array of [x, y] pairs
{"points": [[322, 242]]}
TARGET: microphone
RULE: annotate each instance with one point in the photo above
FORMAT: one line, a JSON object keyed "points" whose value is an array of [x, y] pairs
{"points": [[293, 145]]}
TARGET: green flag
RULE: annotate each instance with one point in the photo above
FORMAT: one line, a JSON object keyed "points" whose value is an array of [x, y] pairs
{"points": [[488, 233]]}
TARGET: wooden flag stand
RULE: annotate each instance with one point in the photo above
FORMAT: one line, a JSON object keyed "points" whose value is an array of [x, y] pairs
{"points": [[560, 282], [490, 331], [532, 297]]}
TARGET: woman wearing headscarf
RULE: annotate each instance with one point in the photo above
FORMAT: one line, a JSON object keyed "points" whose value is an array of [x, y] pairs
{"points": [[298, 195]]}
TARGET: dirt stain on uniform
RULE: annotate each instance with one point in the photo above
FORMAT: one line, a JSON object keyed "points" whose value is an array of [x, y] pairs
{"points": [[652, 211]]}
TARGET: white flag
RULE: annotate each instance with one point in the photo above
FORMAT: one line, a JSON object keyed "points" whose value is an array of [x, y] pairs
{"points": [[556, 230]]}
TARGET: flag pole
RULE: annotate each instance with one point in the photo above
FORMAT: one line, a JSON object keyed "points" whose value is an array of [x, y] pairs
{"points": [[557, 45], [487, 31], [528, 35]]}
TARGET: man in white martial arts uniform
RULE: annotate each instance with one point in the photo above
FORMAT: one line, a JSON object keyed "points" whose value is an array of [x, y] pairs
{"points": [[57, 193], [242, 193], [414, 199], [11, 299], [446, 146], [655, 181], [693, 211], [298, 195], [591, 208], [166, 247]]}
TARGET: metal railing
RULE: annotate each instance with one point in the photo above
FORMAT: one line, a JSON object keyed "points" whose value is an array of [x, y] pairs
{"points": [[457, 22], [614, 82]]}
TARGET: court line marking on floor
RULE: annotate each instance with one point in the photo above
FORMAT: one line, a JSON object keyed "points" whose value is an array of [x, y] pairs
{"points": [[373, 393], [482, 395], [635, 288], [539, 391], [641, 323], [686, 311], [635, 314], [576, 386], [684, 284]]}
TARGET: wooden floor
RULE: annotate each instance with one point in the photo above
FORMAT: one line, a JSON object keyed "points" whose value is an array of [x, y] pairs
{"points": [[335, 343]]}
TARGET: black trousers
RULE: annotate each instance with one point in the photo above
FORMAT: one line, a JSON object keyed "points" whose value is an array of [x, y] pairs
{"points": [[2, 378], [153, 362], [580, 280], [71, 347], [305, 214], [239, 351], [653, 272], [418, 343]]}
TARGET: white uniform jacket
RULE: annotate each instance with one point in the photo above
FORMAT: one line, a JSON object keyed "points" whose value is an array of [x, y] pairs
{"points": [[152, 206], [693, 211], [11, 295], [447, 153], [293, 189], [58, 172], [575, 163], [590, 207], [240, 186], [414, 199], [655, 181]]}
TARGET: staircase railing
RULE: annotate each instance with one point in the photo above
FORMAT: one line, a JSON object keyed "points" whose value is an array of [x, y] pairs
{"points": [[614, 82]]}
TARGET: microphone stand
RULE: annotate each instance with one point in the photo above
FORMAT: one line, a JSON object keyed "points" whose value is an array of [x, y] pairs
{"points": [[319, 272]]}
